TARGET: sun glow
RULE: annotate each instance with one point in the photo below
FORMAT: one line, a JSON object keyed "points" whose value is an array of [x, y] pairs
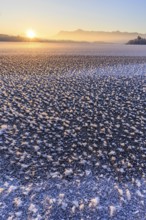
{"points": [[30, 34]]}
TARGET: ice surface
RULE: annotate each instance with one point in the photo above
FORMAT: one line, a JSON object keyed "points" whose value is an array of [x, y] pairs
{"points": [[85, 49], [72, 144]]}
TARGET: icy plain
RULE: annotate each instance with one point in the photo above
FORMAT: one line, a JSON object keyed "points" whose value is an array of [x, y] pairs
{"points": [[72, 137]]}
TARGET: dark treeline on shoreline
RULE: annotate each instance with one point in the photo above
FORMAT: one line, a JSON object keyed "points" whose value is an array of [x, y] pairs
{"points": [[138, 41]]}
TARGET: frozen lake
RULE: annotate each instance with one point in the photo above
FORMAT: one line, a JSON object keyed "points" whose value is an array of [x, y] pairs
{"points": [[72, 133], [73, 49]]}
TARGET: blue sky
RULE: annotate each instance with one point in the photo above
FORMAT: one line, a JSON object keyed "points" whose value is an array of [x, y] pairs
{"points": [[47, 17]]}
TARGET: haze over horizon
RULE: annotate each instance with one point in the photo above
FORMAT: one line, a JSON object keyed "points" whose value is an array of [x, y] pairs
{"points": [[76, 36], [47, 18]]}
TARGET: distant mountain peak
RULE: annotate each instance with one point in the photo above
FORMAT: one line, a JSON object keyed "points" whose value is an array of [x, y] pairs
{"points": [[79, 30]]}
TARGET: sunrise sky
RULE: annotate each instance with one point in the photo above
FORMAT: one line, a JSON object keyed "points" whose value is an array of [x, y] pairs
{"points": [[47, 17]]}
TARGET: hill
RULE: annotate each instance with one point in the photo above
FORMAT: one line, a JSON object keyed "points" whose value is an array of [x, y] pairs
{"points": [[9, 38]]}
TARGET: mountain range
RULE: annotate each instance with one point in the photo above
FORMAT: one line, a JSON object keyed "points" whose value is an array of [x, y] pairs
{"points": [[93, 36]]}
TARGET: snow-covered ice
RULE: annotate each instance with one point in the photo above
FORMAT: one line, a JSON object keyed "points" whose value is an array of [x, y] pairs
{"points": [[72, 137]]}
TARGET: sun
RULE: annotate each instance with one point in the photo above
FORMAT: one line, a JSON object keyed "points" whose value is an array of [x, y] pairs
{"points": [[30, 34]]}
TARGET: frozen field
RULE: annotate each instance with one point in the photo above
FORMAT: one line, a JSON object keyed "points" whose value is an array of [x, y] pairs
{"points": [[72, 136]]}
